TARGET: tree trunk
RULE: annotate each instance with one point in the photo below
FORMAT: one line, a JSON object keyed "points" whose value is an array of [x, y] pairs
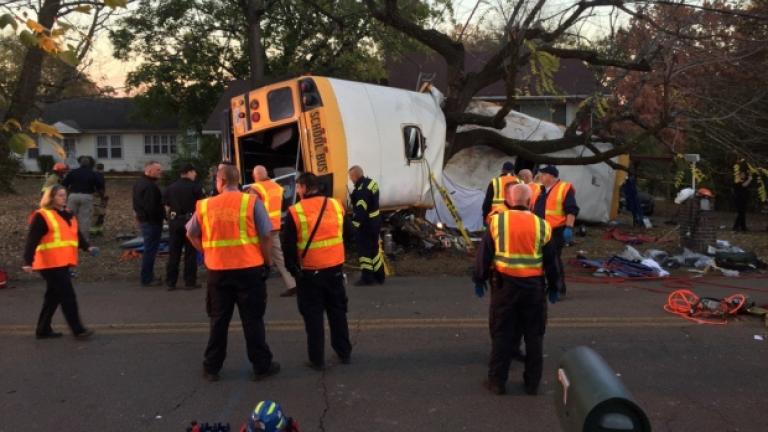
{"points": [[255, 10], [24, 96]]}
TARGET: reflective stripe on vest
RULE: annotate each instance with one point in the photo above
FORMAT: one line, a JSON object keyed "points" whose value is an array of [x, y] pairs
{"points": [[555, 212], [272, 194], [229, 235], [327, 247], [58, 247], [499, 184], [519, 237]]}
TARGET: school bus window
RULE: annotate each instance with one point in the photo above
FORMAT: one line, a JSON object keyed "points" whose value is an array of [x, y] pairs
{"points": [[280, 104], [414, 143]]}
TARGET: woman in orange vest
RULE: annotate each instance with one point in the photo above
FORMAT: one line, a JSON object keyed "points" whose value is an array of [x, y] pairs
{"points": [[51, 249], [313, 248]]}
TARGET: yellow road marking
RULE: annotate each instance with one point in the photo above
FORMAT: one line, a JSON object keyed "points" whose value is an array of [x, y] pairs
{"points": [[369, 325]]}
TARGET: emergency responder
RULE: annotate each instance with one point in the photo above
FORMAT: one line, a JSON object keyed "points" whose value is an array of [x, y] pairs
{"points": [[180, 199], [150, 214], [81, 184], [100, 201], [271, 195], [557, 204], [367, 221], [232, 230], [57, 175], [741, 184], [494, 195], [526, 177], [313, 248], [513, 252], [51, 249]]}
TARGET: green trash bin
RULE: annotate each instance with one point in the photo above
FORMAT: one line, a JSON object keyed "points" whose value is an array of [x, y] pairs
{"points": [[590, 398]]}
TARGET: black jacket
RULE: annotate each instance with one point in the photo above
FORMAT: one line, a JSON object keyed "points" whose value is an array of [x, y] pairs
{"points": [[182, 196], [148, 201], [365, 201]]}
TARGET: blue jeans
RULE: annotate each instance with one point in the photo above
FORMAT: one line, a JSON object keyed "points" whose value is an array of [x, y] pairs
{"points": [[151, 234]]}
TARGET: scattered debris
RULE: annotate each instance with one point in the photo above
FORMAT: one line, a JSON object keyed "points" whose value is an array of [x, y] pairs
{"points": [[759, 338], [706, 310]]}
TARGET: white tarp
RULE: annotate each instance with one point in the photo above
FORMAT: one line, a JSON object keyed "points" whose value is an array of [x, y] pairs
{"points": [[467, 174]]}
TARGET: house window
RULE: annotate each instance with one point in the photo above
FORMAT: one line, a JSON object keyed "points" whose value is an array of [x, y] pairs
{"points": [[109, 147], [33, 153], [69, 147], [414, 143], [160, 144]]}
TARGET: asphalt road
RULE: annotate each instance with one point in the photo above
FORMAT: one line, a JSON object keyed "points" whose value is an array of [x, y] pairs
{"points": [[420, 353]]}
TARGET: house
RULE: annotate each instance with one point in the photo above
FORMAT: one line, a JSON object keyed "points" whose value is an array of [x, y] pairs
{"points": [[574, 82], [108, 129]]}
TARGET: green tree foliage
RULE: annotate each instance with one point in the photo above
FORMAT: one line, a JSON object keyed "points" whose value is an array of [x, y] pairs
{"points": [[191, 49]]}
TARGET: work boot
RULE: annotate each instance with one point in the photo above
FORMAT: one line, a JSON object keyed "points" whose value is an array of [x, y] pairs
{"points": [[170, 287], [272, 369], [362, 282], [347, 359], [290, 292], [210, 376], [48, 335], [531, 389], [495, 388], [315, 366], [84, 335]]}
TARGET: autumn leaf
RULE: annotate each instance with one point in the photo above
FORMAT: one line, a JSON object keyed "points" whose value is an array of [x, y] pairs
{"points": [[57, 148], [12, 123], [41, 128], [35, 26], [27, 38], [8, 20], [114, 4], [20, 142], [48, 44]]}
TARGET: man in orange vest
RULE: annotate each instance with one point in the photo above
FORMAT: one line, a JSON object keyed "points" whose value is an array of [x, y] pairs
{"points": [[494, 195], [513, 252], [313, 248], [557, 204], [232, 230], [526, 177], [271, 194]]}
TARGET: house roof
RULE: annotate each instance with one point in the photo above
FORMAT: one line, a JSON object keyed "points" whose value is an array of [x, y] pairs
{"points": [[104, 114], [573, 78]]}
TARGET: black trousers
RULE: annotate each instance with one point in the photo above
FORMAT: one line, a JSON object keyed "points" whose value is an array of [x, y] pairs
{"points": [[553, 265], [371, 260], [246, 289], [177, 241], [740, 224], [319, 292], [518, 306], [59, 291]]}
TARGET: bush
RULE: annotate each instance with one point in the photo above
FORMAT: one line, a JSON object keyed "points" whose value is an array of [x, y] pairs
{"points": [[45, 163], [208, 156]]}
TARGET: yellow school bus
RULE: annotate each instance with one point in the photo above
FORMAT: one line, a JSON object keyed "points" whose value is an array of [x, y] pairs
{"points": [[325, 125]]}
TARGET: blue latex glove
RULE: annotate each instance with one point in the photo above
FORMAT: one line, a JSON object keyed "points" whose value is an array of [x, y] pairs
{"points": [[94, 251], [568, 235], [480, 289], [554, 296]]}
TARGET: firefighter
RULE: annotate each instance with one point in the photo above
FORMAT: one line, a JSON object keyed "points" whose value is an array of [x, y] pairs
{"points": [[271, 194], [367, 221], [494, 195], [513, 252], [232, 229], [57, 175], [557, 204], [313, 248]]}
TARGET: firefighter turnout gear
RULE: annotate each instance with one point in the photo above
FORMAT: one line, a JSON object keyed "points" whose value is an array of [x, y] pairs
{"points": [[58, 247], [367, 221], [512, 256], [229, 237]]}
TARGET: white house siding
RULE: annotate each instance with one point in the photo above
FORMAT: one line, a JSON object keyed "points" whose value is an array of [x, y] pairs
{"points": [[133, 156]]}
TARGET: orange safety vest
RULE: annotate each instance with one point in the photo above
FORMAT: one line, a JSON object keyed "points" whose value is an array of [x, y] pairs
{"points": [[272, 194], [499, 185], [229, 235], [519, 237], [58, 247], [535, 192], [494, 211], [555, 213], [327, 247]]}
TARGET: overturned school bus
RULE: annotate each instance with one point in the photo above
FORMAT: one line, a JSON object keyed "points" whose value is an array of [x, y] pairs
{"points": [[325, 125]]}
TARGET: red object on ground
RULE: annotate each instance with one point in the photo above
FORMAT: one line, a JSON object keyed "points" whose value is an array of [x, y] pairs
{"points": [[3, 279], [615, 234]]}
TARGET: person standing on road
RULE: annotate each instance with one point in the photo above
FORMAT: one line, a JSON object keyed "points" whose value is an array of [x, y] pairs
{"points": [[180, 199], [51, 249], [494, 194], [557, 204], [148, 207], [513, 252], [741, 199], [82, 183], [232, 230], [313, 248], [271, 194], [367, 221]]}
